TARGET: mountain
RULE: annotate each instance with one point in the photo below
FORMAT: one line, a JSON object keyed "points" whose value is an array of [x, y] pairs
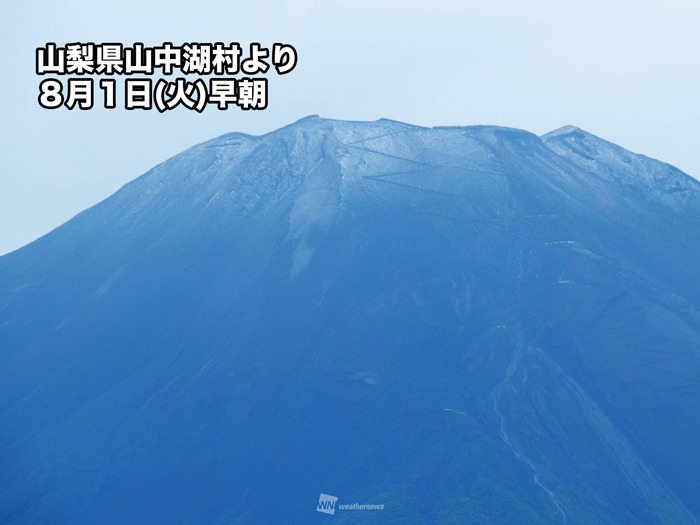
{"points": [[470, 325]]}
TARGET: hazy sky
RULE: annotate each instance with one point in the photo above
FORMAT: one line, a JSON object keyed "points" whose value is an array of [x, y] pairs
{"points": [[628, 71]]}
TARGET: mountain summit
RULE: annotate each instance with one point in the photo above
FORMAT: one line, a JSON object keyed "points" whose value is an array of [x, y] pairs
{"points": [[462, 324]]}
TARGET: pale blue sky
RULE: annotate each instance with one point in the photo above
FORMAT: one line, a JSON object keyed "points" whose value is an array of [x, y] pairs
{"points": [[628, 71]]}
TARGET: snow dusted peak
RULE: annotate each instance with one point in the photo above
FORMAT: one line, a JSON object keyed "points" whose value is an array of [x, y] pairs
{"points": [[340, 130], [600, 159], [564, 130]]}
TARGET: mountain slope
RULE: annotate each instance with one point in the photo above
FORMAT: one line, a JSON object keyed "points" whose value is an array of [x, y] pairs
{"points": [[467, 325]]}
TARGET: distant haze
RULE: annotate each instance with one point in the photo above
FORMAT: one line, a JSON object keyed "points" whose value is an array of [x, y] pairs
{"points": [[626, 71]]}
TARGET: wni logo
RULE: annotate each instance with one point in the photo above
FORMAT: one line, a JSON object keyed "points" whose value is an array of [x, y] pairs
{"points": [[326, 504]]}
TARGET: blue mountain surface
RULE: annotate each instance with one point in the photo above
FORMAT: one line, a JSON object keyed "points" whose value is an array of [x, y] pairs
{"points": [[467, 325]]}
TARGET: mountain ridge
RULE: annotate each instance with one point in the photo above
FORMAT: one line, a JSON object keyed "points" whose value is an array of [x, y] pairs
{"points": [[221, 141]]}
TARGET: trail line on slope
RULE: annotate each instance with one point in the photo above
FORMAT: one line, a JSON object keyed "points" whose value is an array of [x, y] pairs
{"points": [[510, 370]]}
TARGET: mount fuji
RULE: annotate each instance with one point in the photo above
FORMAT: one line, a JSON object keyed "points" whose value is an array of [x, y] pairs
{"points": [[471, 325]]}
